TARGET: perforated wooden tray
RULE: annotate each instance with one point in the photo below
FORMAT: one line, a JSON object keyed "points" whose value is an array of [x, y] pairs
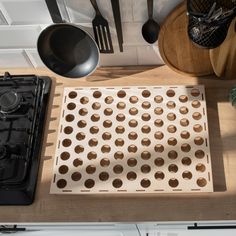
{"points": [[133, 140]]}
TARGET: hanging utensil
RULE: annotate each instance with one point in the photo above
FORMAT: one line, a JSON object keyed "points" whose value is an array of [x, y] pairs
{"points": [[116, 13], [208, 21], [150, 29], [232, 96], [65, 48], [101, 31]]}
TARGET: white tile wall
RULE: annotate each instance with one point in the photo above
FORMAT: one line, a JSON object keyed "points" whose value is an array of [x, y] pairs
{"points": [[132, 34], [22, 20], [3, 20], [19, 36], [128, 57], [149, 55], [23, 12], [34, 58], [161, 9], [81, 11]]}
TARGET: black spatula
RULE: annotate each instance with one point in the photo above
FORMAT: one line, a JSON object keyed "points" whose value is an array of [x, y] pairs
{"points": [[101, 31]]}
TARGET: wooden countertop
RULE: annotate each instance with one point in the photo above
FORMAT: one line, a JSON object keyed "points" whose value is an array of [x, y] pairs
{"points": [[220, 205]]}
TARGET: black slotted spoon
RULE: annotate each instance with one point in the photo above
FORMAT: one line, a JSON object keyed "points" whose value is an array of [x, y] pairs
{"points": [[101, 31]]}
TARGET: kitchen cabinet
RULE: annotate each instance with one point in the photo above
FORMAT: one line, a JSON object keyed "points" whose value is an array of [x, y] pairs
{"points": [[90, 229], [187, 229], [74, 229]]}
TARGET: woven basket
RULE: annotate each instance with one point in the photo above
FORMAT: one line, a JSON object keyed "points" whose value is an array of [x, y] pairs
{"points": [[209, 34]]}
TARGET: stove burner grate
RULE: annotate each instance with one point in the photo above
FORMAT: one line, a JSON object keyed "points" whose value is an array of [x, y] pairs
{"points": [[3, 152], [10, 101], [23, 103]]}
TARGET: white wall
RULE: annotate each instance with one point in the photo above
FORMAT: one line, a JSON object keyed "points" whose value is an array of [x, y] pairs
{"points": [[22, 20]]}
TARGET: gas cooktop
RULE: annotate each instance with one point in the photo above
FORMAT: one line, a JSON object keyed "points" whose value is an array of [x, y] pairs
{"points": [[23, 102]]}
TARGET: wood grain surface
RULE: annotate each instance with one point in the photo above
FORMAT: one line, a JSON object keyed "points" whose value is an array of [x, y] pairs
{"points": [[177, 50], [121, 157], [219, 205], [223, 58]]}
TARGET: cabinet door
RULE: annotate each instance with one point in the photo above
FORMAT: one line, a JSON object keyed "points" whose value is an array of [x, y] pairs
{"points": [[182, 229], [80, 229], [219, 232], [25, 12], [14, 58]]}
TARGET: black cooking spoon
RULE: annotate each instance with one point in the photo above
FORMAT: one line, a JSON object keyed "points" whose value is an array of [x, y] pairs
{"points": [[150, 29]]}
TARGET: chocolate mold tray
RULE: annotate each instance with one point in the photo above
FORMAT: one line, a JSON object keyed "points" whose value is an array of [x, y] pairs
{"points": [[133, 140]]}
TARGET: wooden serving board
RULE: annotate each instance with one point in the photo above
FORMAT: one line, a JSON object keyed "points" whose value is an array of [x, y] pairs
{"points": [[177, 50], [223, 58], [133, 140]]}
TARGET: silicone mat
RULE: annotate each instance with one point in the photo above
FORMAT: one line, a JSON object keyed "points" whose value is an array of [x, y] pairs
{"points": [[133, 140]]}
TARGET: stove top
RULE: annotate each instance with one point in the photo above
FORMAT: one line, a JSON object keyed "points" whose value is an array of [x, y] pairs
{"points": [[23, 102]]}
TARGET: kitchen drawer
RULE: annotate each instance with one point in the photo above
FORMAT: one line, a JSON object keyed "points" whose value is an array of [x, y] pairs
{"points": [[14, 58], [216, 228], [87, 229], [25, 12]]}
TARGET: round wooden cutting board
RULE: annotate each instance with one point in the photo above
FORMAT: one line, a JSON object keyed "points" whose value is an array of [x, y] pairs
{"points": [[177, 50], [223, 58]]}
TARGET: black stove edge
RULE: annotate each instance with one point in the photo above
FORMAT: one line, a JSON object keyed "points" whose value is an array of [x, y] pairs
{"points": [[25, 196], [39, 142], [7, 75]]}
